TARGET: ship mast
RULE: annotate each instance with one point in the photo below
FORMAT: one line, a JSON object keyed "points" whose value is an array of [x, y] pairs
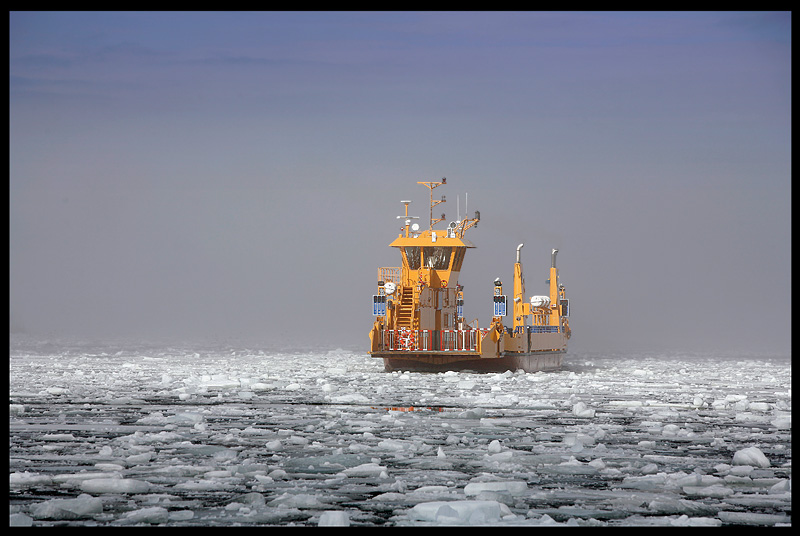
{"points": [[431, 186]]}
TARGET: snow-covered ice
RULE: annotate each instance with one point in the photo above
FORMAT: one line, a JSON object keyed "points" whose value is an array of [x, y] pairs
{"points": [[218, 435]]}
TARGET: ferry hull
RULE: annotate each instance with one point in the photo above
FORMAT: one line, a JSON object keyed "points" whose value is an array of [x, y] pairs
{"points": [[539, 361]]}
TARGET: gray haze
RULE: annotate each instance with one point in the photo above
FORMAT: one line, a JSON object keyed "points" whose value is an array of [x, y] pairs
{"points": [[237, 175]]}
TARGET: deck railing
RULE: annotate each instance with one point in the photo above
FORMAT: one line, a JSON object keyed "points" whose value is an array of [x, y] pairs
{"points": [[543, 329], [426, 340], [391, 273]]}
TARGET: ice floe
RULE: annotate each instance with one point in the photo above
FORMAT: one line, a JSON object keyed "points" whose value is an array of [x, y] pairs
{"points": [[222, 436]]}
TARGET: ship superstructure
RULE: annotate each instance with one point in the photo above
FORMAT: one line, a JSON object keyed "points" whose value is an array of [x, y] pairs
{"points": [[419, 320]]}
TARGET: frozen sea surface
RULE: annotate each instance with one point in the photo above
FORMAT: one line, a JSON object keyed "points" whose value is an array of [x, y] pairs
{"points": [[114, 435]]}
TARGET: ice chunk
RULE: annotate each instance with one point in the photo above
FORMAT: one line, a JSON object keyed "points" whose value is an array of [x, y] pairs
{"points": [[84, 506], [446, 514], [135, 459], [695, 479], [581, 410], [181, 515], [391, 496], [58, 437], [109, 467], [571, 467], [511, 487], [598, 464], [472, 413], [300, 500], [334, 518], [626, 403], [460, 512], [670, 430], [25, 479], [500, 456], [188, 418], [156, 417], [19, 520], [686, 521], [748, 518], [668, 505], [350, 398], [203, 485], [783, 486], [430, 490], [572, 439], [397, 445], [647, 483], [278, 474], [115, 485], [366, 470], [782, 422], [152, 514], [221, 473], [741, 470], [649, 469], [716, 491], [750, 456]]}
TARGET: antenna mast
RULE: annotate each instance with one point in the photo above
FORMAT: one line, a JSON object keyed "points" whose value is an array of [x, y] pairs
{"points": [[407, 217], [431, 186]]}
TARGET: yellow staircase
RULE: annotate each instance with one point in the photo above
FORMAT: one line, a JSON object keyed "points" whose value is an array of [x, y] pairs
{"points": [[405, 308]]}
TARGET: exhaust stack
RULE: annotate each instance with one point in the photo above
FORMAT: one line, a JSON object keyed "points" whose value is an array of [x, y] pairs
{"points": [[553, 258]]}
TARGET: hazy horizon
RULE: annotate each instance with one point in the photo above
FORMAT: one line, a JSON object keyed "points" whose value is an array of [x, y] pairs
{"points": [[238, 175]]}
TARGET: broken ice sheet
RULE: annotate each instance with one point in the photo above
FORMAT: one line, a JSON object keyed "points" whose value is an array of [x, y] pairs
{"points": [[609, 440]]}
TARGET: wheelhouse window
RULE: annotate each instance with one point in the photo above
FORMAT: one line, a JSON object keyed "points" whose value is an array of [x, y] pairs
{"points": [[437, 257], [411, 253], [458, 258]]}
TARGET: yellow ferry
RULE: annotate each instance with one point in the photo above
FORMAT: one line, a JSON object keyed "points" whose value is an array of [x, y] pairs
{"points": [[419, 322]]}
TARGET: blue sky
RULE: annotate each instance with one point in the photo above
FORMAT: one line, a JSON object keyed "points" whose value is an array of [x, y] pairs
{"points": [[238, 174]]}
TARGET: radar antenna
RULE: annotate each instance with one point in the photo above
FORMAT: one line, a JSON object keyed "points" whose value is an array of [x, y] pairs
{"points": [[407, 217]]}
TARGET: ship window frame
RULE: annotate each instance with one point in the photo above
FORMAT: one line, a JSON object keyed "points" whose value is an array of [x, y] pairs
{"points": [[412, 256], [458, 258], [439, 255]]}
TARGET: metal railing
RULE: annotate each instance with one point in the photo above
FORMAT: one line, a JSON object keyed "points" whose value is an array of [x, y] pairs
{"points": [[426, 340], [387, 274], [543, 329]]}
